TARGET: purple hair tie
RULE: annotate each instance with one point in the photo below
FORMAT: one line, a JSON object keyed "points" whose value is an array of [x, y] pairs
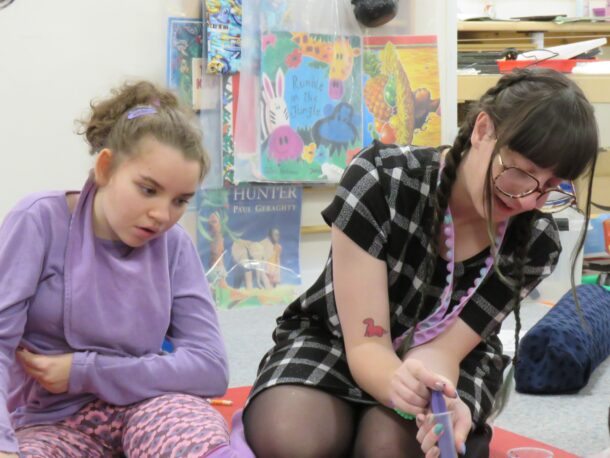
{"points": [[141, 111]]}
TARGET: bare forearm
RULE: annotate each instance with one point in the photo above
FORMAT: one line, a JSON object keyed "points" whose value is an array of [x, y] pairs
{"points": [[372, 366], [444, 354], [437, 360]]}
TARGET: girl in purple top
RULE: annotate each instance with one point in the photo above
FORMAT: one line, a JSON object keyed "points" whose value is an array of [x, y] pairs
{"points": [[90, 284]]}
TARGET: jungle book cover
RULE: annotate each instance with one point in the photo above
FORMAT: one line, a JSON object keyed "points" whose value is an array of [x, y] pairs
{"points": [[248, 239]]}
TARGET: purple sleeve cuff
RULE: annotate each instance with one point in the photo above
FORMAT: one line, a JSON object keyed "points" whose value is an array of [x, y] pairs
{"points": [[76, 382], [8, 443]]}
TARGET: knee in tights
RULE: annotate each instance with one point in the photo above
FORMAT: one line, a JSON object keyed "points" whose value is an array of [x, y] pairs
{"points": [[383, 434], [298, 421]]}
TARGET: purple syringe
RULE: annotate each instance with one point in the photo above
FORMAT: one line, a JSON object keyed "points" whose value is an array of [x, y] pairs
{"points": [[446, 443]]}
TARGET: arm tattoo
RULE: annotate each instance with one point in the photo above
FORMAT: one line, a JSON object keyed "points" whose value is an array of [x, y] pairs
{"points": [[372, 330]]}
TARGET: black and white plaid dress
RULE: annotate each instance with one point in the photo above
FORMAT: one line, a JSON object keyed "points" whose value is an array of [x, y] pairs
{"points": [[383, 204]]}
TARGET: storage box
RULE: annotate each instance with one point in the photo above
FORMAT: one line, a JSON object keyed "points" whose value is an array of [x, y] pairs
{"points": [[561, 65], [596, 256]]}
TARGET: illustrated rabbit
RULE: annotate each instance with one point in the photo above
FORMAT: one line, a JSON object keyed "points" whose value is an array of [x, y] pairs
{"points": [[284, 143]]}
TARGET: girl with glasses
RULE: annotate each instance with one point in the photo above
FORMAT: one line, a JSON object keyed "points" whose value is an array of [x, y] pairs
{"points": [[431, 249]]}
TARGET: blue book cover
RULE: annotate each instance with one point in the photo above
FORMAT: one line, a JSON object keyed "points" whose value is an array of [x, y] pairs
{"points": [[248, 239], [184, 58], [597, 242]]}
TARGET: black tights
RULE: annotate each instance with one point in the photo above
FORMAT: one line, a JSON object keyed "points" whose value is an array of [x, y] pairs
{"points": [[296, 421]]}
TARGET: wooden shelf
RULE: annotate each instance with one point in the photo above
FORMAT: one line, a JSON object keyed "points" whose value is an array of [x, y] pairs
{"points": [[595, 87], [525, 35], [532, 26], [316, 229]]}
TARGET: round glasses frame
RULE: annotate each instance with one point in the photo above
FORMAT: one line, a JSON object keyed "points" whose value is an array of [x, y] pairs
{"points": [[566, 200]]}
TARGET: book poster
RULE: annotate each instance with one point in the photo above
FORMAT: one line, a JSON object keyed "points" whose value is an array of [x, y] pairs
{"points": [[248, 239], [224, 24], [401, 90], [311, 118], [230, 97], [184, 51]]}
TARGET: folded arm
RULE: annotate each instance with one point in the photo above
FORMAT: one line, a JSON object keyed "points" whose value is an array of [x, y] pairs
{"points": [[198, 365], [22, 252]]}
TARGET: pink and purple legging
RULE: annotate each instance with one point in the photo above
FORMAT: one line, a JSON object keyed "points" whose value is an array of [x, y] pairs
{"points": [[173, 425]]}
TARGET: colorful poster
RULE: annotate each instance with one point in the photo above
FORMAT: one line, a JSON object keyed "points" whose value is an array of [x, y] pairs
{"points": [[197, 84], [184, 51], [248, 239], [311, 118], [401, 90], [230, 97], [223, 24]]}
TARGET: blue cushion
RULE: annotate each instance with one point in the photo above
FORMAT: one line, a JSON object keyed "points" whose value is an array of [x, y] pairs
{"points": [[558, 354]]}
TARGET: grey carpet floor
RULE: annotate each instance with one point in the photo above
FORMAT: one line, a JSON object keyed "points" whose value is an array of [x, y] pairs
{"points": [[576, 423]]}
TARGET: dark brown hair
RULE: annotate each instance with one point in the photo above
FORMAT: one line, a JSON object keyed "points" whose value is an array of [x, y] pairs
{"points": [[171, 123], [544, 116]]}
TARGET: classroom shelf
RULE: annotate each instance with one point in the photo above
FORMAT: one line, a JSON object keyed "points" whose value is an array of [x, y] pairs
{"points": [[525, 35], [533, 26], [315, 229], [595, 87]]}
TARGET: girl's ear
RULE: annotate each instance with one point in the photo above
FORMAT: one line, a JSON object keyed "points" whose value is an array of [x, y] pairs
{"points": [[103, 167], [483, 130]]}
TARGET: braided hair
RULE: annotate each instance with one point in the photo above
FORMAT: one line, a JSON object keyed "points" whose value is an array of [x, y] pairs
{"points": [[545, 117], [440, 203]]}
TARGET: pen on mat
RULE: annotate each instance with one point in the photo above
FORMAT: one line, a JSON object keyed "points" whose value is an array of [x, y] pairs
{"points": [[220, 402]]}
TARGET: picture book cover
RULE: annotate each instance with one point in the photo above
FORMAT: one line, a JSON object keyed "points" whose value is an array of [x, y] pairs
{"points": [[184, 58], [248, 239], [223, 20], [230, 97], [401, 90], [197, 83], [311, 115]]}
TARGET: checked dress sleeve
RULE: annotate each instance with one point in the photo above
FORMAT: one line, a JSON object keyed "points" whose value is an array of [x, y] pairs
{"points": [[359, 207]]}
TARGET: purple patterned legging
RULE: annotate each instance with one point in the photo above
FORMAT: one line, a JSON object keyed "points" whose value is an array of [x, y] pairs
{"points": [[173, 425]]}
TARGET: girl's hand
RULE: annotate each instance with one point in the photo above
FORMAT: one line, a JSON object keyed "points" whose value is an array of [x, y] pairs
{"points": [[411, 384], [52, 372], [428, 432], [8, 455]]}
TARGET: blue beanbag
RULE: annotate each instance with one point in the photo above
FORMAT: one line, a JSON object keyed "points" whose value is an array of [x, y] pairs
{"points": [[558, 354]]}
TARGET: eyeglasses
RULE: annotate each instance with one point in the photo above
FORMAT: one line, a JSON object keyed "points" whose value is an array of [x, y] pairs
{"points": [[516, 183]]}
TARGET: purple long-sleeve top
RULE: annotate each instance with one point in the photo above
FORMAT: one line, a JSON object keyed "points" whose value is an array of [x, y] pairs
{"points": [[63, 290]]}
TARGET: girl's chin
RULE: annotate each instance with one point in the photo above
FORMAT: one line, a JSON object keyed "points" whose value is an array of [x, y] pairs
{"points": [[501, 211]]}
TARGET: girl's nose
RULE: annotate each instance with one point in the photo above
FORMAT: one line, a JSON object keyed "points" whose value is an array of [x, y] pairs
{"points": [[531, 202], [160, 213]]}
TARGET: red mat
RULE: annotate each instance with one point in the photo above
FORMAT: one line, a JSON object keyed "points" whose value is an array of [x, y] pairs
{"points": [[502, 440], [238, 395]]}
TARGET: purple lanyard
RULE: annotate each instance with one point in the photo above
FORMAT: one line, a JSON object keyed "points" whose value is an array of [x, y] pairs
{"points": [[437, 322]]}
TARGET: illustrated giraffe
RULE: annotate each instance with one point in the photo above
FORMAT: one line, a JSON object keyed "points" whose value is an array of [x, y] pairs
{"points": [[338, 55]]}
